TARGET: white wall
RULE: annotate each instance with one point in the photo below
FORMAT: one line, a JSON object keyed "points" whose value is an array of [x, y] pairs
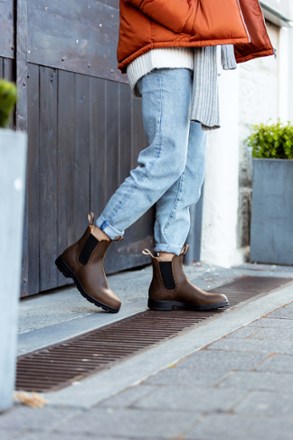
{"points": [[257, 91], [219, 237], [281, 10], [259, 87]]}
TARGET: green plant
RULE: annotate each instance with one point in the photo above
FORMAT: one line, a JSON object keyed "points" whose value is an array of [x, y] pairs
{"points": [[271, 141], [8, 98]]}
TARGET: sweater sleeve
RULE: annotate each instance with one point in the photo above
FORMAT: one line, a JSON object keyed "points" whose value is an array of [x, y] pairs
{"points": [[176, 15]]}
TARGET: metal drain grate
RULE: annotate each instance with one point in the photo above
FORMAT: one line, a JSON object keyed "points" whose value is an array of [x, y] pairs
{"points": [[59, 365]]}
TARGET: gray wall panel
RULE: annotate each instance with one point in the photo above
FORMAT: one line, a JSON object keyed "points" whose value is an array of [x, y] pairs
{"points": [[6, 29], [79, 39]]}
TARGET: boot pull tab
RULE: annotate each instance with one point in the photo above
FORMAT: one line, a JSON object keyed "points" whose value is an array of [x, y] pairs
{"points": [[184, 249], [147, 252], [91, 218]]}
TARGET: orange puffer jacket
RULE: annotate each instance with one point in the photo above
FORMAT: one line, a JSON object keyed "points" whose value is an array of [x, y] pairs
{"points": [[149, 24]]}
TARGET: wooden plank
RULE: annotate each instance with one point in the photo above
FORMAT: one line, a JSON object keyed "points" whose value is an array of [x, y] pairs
{"points": [[98, 170], [113, 260], [7, 29], [112, 120], [9, 69], [65, 159], [81, 166], [9, 73], [31, 279], [21, 115], [81, 39], [124, 160], [48, 177], [21, 64]]}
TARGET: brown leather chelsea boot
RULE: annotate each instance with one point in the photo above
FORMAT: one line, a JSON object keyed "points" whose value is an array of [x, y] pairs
{"points": [[170, 288], [84, 263]]}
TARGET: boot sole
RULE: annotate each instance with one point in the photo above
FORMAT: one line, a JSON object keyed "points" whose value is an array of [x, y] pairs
{"points": [[164, 306], [66, 271]]}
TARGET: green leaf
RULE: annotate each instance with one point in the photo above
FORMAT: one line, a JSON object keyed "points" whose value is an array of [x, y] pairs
{"points": [[272, 141], [8, 98]]}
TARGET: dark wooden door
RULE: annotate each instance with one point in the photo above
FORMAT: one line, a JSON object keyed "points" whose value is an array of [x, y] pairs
{"points": [[84, 127]]}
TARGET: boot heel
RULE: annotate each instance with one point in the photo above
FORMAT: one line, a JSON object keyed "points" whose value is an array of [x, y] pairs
{"points": [[62, 267], [163, 306]]}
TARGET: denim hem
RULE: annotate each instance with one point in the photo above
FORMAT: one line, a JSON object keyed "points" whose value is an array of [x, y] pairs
{"points": [[171, 248], [108, 229]]}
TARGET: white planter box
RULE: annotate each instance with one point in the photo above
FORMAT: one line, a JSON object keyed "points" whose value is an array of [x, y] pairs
{"points": [[13, 149]]}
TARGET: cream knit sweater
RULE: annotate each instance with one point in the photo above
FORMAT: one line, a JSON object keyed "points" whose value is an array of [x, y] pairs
{"points": [[173, 57]]}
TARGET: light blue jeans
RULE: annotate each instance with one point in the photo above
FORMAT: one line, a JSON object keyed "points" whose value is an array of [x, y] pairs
{"points": [[170, 171]]}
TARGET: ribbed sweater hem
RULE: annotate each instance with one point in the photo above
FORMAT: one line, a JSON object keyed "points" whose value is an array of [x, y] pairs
{"points": [[168, 58]]}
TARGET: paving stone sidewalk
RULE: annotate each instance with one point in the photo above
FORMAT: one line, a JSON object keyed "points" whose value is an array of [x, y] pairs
{"points": [[238, 387]]}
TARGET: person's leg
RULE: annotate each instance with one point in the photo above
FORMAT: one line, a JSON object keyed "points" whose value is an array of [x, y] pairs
{"points": [[166, 95], [170, 287], [172, 209]]}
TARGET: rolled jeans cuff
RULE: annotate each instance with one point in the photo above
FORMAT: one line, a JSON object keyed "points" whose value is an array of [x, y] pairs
{"points": [[170, 248], [108, 229]]}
